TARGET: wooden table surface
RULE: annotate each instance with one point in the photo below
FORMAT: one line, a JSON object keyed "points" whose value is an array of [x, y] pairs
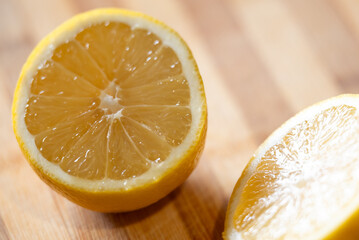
{"points": [[261, 60]]}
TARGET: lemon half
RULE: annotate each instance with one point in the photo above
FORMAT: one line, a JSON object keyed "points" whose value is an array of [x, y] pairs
{"points": [[110, 110], [303, 181]]}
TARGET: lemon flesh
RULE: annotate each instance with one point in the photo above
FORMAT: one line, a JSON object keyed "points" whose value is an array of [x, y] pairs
{"points": [[109, 103], [303, 183]]}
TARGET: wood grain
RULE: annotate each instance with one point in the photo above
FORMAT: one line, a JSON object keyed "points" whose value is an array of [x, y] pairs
{"points": [[261, 61]]}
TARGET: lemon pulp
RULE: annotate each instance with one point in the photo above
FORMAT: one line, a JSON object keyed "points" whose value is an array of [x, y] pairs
{"points": [[109, 103], [305, 182]]}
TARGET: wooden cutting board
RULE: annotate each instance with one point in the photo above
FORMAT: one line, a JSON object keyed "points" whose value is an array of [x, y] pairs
{"points": [[261, 61]]}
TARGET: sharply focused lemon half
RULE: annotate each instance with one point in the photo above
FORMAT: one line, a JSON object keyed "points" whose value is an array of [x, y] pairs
{"points": [[303, 181], [110, 110]]}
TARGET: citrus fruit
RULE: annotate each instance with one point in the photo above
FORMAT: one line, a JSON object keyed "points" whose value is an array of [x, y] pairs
{"points": [[303, 181], [110, 110]]}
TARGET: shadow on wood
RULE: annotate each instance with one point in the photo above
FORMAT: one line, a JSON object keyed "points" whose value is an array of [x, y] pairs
{"points": [[199, 203]]}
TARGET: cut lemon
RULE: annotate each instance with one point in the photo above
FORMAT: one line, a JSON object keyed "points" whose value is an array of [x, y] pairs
{"points": [[303, 181], [110, 110]]}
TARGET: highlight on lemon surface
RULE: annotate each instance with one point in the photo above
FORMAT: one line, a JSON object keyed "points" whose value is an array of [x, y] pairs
{"points": [[303, 181], [110, 110]]}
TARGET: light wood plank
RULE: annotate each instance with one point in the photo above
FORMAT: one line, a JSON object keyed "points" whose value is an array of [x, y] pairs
{"points": [[41, 17], [348, 10], [11, 27], [331, 39], [86, 5], [297, 71]]}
